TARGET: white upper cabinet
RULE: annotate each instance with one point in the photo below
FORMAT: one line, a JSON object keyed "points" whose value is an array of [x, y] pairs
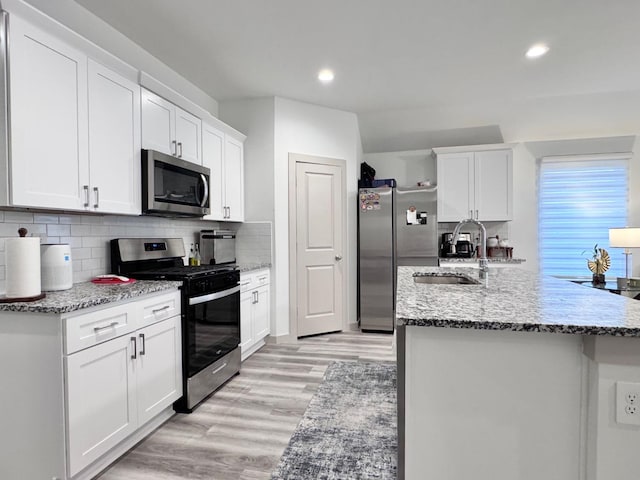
{"points": [[114, 142], [48, 135], [213, 159], [75, 128], [169, 129], [224, 156], [234, 179], [475, 183]]}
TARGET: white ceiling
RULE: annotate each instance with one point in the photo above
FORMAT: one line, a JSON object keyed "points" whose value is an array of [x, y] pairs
{"points": [[417, 72]]}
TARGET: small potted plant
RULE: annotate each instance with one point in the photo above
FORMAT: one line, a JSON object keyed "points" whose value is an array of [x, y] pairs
{"points": [[599, 263]]}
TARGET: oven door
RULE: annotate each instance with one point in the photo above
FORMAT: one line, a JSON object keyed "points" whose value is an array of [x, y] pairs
{"points": [[212, 328], [172, 186]]}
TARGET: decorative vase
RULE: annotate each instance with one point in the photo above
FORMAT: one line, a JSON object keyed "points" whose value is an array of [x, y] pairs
{"points": [[598, 279]]}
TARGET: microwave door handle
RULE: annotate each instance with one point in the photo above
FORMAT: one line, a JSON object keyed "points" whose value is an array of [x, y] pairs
{"points": [[205, 197]]}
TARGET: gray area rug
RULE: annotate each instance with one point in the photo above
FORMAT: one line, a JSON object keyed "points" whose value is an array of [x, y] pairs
{"points": [[349, 430]]}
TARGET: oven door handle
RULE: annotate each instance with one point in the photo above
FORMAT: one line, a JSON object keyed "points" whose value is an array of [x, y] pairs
{"points": [[214, 296]]}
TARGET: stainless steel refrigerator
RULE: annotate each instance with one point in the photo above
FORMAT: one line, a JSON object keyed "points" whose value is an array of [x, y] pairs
{"points": [[396, 226]]}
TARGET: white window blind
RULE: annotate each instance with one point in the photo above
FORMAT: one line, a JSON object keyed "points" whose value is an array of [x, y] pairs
{"points": [[579, 200]]}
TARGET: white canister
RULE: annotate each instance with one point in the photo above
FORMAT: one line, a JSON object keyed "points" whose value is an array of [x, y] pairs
{"points": [[57, 272], [22, 263]]}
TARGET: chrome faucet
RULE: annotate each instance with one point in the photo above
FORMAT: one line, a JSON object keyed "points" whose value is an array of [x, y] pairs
{"points": [[483, 263]]}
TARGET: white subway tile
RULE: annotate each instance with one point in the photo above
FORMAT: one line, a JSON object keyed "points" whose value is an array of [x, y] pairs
{"points": [[18, 217], [42, 218], [54, 230], [80, 230], [80, 253], [70, 219], [90, 264]]}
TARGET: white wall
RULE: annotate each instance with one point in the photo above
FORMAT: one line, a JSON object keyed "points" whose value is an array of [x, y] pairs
{"points": [[255, 118], [312, 130]]}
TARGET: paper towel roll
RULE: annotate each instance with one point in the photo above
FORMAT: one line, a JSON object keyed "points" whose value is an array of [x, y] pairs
{"points": [[22, 260]]}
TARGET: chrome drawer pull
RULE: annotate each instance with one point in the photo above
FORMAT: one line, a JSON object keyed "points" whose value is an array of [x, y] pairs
{"points": [[111, 325], [158, 310]]}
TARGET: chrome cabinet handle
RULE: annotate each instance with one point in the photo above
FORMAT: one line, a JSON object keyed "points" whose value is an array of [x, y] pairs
{"points": [[104, 327], [338, 257], [96, 194], [86, 195], [180, 146], [242, 284], [174, 151], [134, 355], [143, 350], [255, 297], [471, 214], [158, 310], [476, 214]]}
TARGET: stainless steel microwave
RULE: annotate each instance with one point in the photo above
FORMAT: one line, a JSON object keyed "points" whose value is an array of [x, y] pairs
{"points": [[173, 187]]}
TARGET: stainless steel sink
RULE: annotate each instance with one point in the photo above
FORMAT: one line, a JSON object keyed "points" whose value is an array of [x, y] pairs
{"points": [[444, 279]]}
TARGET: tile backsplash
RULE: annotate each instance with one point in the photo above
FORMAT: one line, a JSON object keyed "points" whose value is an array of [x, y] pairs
{"points": [[253, 242], [89, 235]]}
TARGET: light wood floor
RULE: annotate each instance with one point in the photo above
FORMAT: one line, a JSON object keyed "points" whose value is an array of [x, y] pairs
{"points": [[241, 431]]}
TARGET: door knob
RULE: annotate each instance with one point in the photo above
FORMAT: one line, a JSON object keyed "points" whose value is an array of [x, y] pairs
{"points": [[338, 257]]}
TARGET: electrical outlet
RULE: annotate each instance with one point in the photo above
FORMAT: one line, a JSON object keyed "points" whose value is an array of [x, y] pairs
{"points": [[628, 403]]}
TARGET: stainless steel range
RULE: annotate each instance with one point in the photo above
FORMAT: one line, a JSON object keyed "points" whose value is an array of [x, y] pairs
{"points": [[210, 310]]}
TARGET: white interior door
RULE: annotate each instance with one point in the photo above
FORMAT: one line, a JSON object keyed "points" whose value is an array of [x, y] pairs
{"points": [[320, 269]]}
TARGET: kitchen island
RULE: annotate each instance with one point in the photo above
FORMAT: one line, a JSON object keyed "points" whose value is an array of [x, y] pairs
{"points": [[515, 378]]}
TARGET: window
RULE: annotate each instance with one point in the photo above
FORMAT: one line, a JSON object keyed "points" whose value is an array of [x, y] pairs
{"points": [[580, 198]]}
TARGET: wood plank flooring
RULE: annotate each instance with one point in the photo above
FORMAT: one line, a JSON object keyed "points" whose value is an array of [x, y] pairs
{"points": [[241, 431]]}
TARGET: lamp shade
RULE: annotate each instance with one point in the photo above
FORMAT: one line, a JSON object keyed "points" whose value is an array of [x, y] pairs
{"points": [[627, 237]]}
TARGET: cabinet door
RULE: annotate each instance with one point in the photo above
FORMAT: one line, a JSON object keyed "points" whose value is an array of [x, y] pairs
{"points": [[234, 179], [48, 136], [158, 367], [114, 142], [158, 124], [246, 312], [101, 400], [212, 158], [494, 185], [188, 136], [455, 186], [261, 325]]}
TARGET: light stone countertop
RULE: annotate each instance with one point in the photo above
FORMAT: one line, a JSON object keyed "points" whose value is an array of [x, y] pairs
{"points": [[475, 260], [87, 294], [249, 267], [514, 299]]}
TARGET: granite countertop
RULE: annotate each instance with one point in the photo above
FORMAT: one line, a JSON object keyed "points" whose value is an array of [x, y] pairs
{"points": [[514, 299], [248, 267], [87, 294], [475, 260]]}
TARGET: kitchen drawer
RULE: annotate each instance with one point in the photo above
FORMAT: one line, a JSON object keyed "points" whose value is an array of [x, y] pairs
{"points": [[159, 307], [261, 278], [88, 329], [246, 282]]}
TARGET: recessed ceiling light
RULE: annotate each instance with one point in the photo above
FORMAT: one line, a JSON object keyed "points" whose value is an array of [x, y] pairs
{"points": [[325, 75], [537, 50]]}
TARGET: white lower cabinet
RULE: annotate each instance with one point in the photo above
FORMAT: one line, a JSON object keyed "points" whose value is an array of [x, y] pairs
{"points": [[91, 384], [101, 400], [254, 311]]}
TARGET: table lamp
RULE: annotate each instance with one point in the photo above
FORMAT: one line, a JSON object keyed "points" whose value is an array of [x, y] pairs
{"points": [[627, 237]]}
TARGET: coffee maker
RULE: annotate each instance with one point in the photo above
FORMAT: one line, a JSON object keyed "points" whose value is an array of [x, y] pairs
{"points": [[462, 249]]}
